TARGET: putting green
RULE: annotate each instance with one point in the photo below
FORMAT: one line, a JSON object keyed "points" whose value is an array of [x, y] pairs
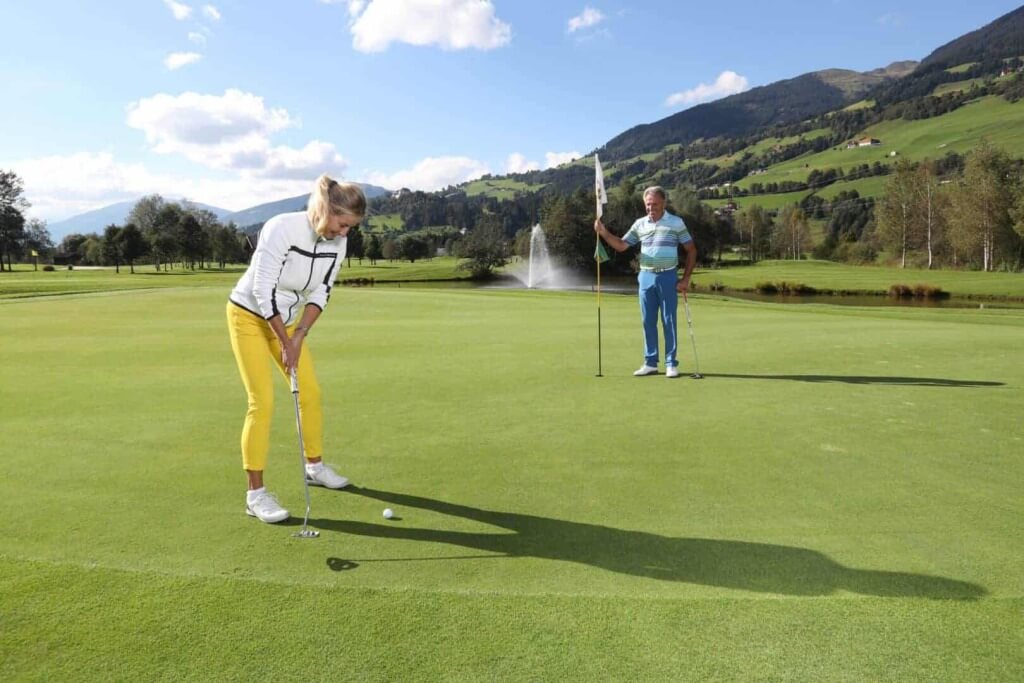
{"points": [[845, 481]]}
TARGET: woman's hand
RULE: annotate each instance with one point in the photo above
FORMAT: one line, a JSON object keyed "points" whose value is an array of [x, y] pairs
{"points": [[290, 349]]}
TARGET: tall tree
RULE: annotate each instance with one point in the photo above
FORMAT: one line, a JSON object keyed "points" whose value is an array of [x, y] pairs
{"points": [[754, 226], [374, 249], [485, 248], [133, 244], [12, 215], [112, 246], [898, 220], [931, 207], [980, 218], [792, 235]]}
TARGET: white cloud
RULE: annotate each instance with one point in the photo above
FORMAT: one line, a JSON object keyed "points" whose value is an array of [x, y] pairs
{"points": [[727, 83], [589, 17], [433, 173], [197, 38], [449, 24], [211, 12], [176, 123], [176, 60], [230, 132], [518, 163], [181, 11], [552, 159]]}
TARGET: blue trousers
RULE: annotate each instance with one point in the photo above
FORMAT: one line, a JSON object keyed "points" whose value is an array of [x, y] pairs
{"points": [[658, 297]]}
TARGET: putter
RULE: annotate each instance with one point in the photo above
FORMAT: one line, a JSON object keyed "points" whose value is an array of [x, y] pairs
{"points": [[306, 532], [693, 340]]}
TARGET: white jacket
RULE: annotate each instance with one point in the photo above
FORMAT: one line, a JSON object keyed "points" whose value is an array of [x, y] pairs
{"points": [[291, 267]]}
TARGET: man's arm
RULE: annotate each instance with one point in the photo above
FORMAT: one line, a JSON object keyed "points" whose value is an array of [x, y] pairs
{"points": [[691, 262], [616, 243]]}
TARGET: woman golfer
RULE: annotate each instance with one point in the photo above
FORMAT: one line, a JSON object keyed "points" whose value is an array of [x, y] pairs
{"points": [[270, 312]]}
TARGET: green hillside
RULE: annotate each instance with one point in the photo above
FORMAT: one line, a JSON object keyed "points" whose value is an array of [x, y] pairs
{"points": [[1001, 122]]}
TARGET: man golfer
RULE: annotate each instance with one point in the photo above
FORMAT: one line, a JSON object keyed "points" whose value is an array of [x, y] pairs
{"points": [[659, 235]]}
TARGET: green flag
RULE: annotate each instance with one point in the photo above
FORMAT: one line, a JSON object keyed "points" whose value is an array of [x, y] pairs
{"points": [[600, 255]]}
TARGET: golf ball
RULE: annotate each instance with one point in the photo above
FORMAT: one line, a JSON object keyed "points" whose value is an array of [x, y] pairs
{"points": [[388, 513]]}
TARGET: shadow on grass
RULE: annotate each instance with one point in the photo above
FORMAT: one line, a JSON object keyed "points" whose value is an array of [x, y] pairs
{"points": [[867, 379], [757, 567]]}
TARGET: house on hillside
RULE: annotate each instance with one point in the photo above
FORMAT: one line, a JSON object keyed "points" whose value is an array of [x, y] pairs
{"points": [[727, 210], [863, 142]]}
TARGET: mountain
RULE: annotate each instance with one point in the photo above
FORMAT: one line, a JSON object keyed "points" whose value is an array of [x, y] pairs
{"points": [[260, 213], [117, 214], [788, 101], [114, 214], [1002, 38]]}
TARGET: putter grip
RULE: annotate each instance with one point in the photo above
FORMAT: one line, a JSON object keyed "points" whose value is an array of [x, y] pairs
{"points": [[295, 382]]}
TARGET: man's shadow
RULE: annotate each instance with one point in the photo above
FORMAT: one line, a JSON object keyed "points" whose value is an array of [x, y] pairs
{"points": [[868, 379], [757, 567]]}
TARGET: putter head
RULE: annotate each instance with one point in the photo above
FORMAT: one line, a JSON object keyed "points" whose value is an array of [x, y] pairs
{"points": [[306, 533], [697, 375]]}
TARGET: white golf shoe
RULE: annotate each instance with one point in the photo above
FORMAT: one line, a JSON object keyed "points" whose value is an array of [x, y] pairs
{"points": [[645, 370], [264, 507], [671, 371], [321, 474]]}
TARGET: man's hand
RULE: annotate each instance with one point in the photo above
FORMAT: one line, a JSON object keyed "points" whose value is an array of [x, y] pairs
{"points": [[683, 285]]}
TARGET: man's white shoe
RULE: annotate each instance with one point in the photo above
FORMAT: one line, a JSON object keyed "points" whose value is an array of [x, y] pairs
{"points": [[645, 370], [671, 371], [322, 475], [265, 508]]}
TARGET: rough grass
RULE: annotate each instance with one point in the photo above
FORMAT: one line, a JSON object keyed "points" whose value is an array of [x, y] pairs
{"points": [[837, 500]]}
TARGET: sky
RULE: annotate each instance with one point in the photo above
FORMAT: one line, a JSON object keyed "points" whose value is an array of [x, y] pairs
{"points": [[236, 103]]}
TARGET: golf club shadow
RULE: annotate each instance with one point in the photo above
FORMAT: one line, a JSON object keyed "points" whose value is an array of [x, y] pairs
{"points": [[758, 567], [867, 379]]}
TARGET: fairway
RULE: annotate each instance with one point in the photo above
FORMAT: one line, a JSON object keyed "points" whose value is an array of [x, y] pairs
{"points": [[839, 499]]}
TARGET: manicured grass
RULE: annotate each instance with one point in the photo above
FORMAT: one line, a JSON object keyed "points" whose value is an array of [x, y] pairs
{"points": [[837, 500], [837, 276], [26, 282]]}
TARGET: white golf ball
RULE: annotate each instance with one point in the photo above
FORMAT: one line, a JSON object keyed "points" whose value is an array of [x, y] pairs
{"points": [[388, 513]]}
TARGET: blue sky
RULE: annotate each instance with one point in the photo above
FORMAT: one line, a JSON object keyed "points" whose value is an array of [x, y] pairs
{"points": [[238, 102]]}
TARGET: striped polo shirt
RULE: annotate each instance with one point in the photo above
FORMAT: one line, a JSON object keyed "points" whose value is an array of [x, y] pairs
{"points": [[659, 242]]}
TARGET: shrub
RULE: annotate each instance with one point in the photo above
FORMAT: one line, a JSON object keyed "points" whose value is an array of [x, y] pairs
{"points": [[926, 291], [900, 291], [784, 287], [48, 268], [918, 291]]}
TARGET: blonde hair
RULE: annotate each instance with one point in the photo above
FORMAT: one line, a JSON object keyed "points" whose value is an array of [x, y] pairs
{"points": [[332, 197]]}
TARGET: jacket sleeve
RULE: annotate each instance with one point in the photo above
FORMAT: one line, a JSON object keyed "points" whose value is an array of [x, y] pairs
{"points": [[322, 294], [271, 252]]}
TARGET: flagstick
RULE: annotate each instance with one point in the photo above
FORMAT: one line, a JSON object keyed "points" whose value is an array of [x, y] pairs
{"points": [[598, 308]]}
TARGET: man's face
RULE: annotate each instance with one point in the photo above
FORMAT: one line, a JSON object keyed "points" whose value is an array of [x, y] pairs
{"points": [[655, 206]]}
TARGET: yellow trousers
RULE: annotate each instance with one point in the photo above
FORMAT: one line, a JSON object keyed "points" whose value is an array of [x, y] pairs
{"points": [[255, 347]]}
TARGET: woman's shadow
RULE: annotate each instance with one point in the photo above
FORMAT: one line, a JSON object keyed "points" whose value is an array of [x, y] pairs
{"points": [[757, 567]]}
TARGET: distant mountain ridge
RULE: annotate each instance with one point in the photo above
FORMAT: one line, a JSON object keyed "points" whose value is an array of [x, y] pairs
{"points": [[783, 102], [999, 39], [116, 214], [261, 213]]}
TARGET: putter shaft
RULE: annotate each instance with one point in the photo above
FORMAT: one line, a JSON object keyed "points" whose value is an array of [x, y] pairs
{"points": [[305, 532]]}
